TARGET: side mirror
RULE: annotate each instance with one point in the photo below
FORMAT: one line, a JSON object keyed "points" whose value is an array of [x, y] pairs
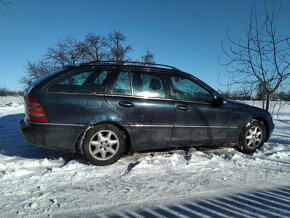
{"points": [[217, 101]]}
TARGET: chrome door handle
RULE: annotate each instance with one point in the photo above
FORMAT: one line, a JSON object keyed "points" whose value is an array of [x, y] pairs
{"points": [[125, 104], [182, 107]]}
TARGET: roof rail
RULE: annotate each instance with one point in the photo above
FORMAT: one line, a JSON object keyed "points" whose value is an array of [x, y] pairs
{"points": [[132, 63]]}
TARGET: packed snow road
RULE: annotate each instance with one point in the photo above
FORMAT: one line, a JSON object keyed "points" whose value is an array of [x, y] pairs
{"points": [[39, 182]]}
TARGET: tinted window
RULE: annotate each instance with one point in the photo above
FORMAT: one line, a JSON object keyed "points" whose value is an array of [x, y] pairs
{"points": [[47, 76], [122, 85], [76, 79], [88, 81], [148, 85], [185, 89], [101, 78]]}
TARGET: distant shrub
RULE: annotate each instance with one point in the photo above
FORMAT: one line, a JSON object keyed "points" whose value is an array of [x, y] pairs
{"points": [[6, 92]]}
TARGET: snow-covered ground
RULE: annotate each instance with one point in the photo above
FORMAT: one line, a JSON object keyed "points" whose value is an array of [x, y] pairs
{"points": [[38, 182]]}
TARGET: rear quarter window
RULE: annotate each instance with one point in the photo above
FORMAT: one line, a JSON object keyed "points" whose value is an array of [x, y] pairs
{"points": [[41, 79], [84, 82]]}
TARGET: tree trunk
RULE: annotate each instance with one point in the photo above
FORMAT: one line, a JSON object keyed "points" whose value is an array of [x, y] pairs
{"points": [[268, 102]]}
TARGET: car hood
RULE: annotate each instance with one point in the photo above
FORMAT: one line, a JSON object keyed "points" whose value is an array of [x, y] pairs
{"points": [[248, 107]]}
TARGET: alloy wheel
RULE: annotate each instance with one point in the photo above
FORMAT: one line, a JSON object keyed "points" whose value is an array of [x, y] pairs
{"points": [[104, 145]]}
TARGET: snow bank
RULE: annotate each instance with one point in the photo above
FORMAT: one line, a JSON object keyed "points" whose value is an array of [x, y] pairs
{"points": [[10, 105], [39, 182]]}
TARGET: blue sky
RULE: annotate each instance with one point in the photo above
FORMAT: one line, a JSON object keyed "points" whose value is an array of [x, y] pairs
{"points": [[185, 33]]}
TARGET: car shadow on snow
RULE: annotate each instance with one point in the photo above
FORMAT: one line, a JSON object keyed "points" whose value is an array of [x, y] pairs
{"points": [[12, 144], [279, 141], [268, 202], [283, 121]]}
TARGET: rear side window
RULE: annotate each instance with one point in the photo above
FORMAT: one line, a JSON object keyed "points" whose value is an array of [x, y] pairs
{"points": [[188, 90], [88, 81], [148, 85], [122, 85], [101, 78]]}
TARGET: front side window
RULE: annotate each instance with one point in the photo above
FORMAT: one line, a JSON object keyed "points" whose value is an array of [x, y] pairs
{"points": [[122, 85], [185, 89], [148, 85], [89, 81]]}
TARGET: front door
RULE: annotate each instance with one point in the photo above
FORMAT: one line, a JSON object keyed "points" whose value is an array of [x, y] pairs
{"points": [[197, 122]]}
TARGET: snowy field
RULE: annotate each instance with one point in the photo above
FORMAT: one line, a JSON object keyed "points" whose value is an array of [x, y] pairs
{"points": [[221, 182]]}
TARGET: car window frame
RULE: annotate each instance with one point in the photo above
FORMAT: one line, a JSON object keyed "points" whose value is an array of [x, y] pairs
{"points": [[160, 76], [77, 71], [114, 80], [173, 95], [131, 71]]}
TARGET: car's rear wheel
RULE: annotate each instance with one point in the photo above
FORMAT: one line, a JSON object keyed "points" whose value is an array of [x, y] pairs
{"points": [[252, 137], [104, 144]]}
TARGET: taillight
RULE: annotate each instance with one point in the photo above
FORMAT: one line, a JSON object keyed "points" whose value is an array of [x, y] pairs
{"points": [[34, 110]]}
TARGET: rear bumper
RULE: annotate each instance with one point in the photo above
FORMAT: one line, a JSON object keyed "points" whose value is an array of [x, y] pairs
{"points": [[54, 136]]}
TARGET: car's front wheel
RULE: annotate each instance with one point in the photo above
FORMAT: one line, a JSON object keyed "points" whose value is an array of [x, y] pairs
{"points": [[104, 144], [252, 137]]}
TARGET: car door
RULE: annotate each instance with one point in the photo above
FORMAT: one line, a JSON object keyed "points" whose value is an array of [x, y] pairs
{"points": [[197, 122], [145, 106]]}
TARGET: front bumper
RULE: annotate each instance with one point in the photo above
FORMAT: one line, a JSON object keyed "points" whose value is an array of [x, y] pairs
{"points": [[54, 136], [272, 126]]}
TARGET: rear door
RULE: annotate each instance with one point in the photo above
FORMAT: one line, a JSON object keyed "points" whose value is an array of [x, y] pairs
{"points": [[145, 106]]}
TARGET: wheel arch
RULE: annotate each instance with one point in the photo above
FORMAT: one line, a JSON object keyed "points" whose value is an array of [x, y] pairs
{"points": [[266, 124], [128, 137]]}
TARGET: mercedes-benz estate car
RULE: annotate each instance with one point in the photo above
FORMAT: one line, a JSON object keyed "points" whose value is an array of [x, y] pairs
{"points": [[104, 109]]}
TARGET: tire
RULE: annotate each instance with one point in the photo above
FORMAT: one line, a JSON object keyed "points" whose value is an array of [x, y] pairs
{"points": [[103, 145], [252, 137]]}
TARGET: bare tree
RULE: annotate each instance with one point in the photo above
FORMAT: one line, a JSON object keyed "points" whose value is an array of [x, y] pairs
{"points": [[7, 92], [242, 94], [279, 101], [35, 70], [263, 58], [117, 50], [65, 52], [70, 51], [261, 94], [277, 105], [226, 93], [93, 48], [4, 6], [148, 58]]}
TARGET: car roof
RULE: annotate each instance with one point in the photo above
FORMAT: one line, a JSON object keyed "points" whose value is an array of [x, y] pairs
{"points": [[130, 64], [143, 66], [133, 65]]}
